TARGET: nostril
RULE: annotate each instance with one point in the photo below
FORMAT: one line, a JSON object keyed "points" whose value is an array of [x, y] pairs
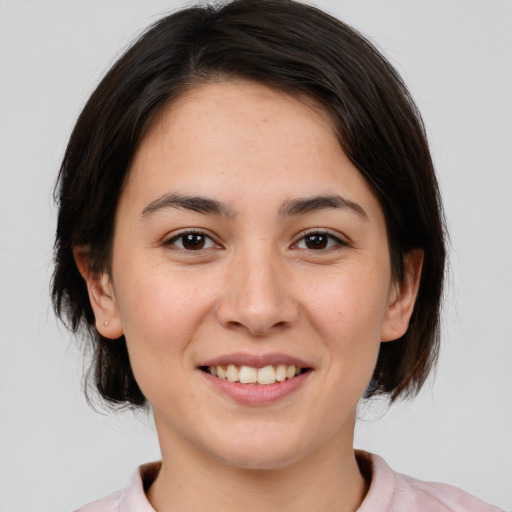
{"points": [[237, 326], [258, 314], [255, 328]]}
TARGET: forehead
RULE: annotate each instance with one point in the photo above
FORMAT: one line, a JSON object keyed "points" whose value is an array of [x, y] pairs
{"points": [[236, 134], [237, 112]]}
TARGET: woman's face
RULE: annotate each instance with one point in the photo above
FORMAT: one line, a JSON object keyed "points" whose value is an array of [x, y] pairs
{"points": [[245, 237]]}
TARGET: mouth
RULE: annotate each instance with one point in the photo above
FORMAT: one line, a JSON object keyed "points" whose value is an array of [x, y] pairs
{"points": [[251, 375]]}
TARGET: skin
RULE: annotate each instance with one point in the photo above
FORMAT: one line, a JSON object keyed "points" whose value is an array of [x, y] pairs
{"points": [[257, 286]]}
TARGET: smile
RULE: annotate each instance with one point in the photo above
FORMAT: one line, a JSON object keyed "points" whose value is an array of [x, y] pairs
{"points": [[266, 375]]}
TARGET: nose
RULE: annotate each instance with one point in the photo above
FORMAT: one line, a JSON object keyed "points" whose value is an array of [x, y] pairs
{"points": [[258, 298]]}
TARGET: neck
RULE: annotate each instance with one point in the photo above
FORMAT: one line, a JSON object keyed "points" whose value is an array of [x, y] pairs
{"points": [[328, 480]]}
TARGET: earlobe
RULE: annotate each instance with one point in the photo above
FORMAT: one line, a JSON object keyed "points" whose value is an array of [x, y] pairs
{"points": [[402, 297], [101, 295]]}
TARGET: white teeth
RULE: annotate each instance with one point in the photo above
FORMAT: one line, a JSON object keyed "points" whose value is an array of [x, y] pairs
{"points": [[266, 375], [251, 375], [248, 375], [281, 373], [232, 373], [290, 371]]}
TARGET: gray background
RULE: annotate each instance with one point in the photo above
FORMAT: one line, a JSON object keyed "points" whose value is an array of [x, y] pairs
{"points": [[456, 55]]}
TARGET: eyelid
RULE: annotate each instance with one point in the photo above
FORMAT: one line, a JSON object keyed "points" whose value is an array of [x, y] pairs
{"points": [[341, 240], [170, 238]]}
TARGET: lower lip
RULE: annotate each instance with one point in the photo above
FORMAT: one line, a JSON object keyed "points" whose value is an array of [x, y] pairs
{"points": [[257, 394]]}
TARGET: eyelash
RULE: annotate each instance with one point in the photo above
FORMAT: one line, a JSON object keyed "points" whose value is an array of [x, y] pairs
{"points": [[331, 240], [172, 241]]}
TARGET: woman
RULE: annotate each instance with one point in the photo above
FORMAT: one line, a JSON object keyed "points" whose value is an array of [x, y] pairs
{"points": [[250, 229]]}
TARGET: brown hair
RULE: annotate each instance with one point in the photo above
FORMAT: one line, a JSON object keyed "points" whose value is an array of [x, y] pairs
{"points": [[297, 49]]}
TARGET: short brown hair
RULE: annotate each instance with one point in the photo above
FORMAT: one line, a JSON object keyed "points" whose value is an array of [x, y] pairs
{"points": [[300, 50]]}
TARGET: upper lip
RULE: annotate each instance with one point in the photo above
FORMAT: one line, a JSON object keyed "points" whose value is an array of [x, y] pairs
{"points": [[256, 360]]}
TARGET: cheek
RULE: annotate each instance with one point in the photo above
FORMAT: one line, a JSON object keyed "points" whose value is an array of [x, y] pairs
{"points": [[154, 296], [160, 314], [348, 312], [348, 308]]}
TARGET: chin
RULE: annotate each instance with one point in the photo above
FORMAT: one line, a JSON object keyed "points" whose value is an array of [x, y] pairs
{"points": [[259, 461], [261, 452]]}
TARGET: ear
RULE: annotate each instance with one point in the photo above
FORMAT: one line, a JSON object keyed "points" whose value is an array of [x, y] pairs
{"points": [[402, 297], [101, 295]]}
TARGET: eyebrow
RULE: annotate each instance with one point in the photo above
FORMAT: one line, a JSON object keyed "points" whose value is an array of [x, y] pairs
{"points": [[194, 203], [291, 207], [311, 204]]}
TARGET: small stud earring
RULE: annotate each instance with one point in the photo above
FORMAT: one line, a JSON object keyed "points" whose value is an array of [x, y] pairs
{"points": [[105, 323]]}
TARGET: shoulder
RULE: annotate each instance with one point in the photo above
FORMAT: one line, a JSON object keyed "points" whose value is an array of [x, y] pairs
{"points": [[393, 492], [438, 496], [131, 499], [108, 504]]}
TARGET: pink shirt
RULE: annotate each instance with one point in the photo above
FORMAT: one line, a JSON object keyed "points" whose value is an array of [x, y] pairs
{"points": [[389, 492]]}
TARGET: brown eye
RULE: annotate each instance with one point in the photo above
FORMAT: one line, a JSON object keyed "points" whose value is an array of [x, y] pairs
{"points": [[316, 241], [319, 241], [192, 241]]}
